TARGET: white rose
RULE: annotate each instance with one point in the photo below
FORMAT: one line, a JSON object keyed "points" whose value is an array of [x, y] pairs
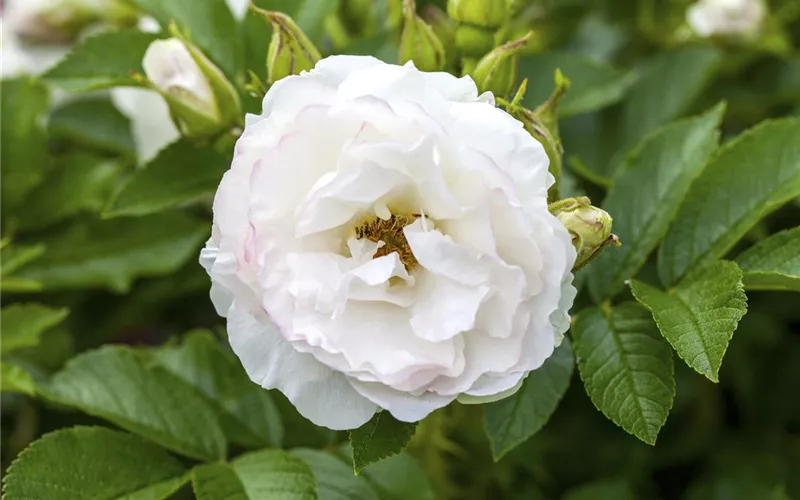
{"points": [[726, 17], [382, 240]]}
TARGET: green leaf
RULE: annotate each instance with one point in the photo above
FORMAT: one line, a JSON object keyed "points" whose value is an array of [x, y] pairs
{"points": [[247, 413], [595, 85], [747, 179], [102, 61], [93, 122], [15, 379], [15, 256], [773, 263], [647, 191], [699, 315], [669, 84], [381, 437], [335, 480], [511, 421], [210, 26], [181, 173], [123, 386], [256, 476], [25, 157], [78, 183], [24, 323], [92, 463], [609, 489], [398, 477], [626, 367], [112, 253]]}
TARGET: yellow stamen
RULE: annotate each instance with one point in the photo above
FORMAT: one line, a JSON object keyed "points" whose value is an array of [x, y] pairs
{"points": [[390, 232]]}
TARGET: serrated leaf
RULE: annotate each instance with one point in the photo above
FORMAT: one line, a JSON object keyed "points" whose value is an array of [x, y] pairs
{"points": [[181, 173], [209, 24], [647, 191], [271, 474], [381, 437], [668, 85], [92, 463], [93, 122], [595, 85], [15, 379], [124, 387], [113, 253], [747, 179], [398, 477], [335, 480], [25, 158], [511, 421], [216, 481], [773, 263], [626, 367], [24, 323], [700, 314], [102, 61], [248, 415], [78, 183]]}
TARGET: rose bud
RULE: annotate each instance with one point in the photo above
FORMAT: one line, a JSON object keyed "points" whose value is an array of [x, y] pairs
{"points": [[419, 43], [497, 71], [202, 101], [485, 13], [290, 50], [589, 226], [382, 241]]}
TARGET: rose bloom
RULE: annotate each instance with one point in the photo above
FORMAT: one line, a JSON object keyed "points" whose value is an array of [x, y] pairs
{"points": [[726, 17], [382, 241]]}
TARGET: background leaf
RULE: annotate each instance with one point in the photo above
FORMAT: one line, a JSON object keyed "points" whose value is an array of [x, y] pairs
{"points": [[24, 323], [381, 437], [124, 387], [25, 158], [335, 480], [164, 182], [774, 263], [626, 367], [698, 316], [92, 462], [15, 379], [93, 122], [78, 183], [513, 420], [113, 253], [102, 61], [398, 477], [595, 85], [747, 179], [247, 413], [647, 191]]}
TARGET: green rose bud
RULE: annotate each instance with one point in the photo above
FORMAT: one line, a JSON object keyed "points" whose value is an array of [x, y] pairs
{"points": [[473, 41], [290, 50], [485, 13], [419, 43], [357, 16], [589, 226], [497, 70], [445, 30], [203, 103]]}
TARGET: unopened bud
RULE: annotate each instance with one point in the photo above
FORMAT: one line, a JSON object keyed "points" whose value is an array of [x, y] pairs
{"points": [[589, 226], [497, 70], [290, 50], [445, 30], [357, 16], [202, 101], [473, 41], [60, 21], [419, 43], [485, 13]]}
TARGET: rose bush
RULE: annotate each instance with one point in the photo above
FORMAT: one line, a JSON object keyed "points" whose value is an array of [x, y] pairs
{"points": [[383, 241]]}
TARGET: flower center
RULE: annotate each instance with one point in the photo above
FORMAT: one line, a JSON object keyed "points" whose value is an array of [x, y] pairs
{"points": [[390, 232]]}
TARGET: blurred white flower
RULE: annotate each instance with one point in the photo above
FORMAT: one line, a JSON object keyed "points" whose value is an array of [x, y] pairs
{"points": [[238, 8], [383, 240], [151, 124], [726, 17]]}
